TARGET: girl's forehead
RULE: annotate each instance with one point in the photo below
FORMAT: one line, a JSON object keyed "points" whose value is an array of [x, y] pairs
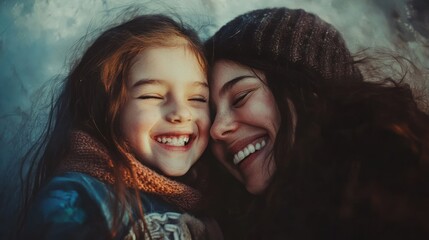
{"points": [[169, 64], [185, 46]]}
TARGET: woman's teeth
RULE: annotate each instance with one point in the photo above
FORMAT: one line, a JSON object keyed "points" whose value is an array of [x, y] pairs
{"points": [[174, 141], [249, 149]]}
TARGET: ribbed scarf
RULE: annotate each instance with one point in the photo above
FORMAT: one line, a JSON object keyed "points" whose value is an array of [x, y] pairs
{"points": [[89, 156]]}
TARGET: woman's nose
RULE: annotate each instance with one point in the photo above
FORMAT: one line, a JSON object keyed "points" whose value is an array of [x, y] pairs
{"points": [[223, 125]]}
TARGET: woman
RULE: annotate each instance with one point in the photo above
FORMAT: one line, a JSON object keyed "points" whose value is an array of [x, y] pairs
{"points": [[322, 152]]}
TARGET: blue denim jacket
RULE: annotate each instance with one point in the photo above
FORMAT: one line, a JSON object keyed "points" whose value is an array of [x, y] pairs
{"points": [[75, 206]]}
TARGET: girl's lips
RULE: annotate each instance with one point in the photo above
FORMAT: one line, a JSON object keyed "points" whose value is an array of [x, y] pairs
{"points": [[180, 140], [175, 140], [176, 145]]}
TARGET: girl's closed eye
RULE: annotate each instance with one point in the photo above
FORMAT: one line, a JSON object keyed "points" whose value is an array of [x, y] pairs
{"points": [[151, 97], [198, 95], [198, 98]]}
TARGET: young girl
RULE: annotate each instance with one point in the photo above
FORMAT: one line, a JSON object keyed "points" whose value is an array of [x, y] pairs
{"points": [[132, 115]]}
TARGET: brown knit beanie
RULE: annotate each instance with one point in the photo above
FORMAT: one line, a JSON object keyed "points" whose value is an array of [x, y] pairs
{"points": [[279, 36]]}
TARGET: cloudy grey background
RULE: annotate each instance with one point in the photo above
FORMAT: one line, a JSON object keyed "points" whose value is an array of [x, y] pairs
{"points": [[40, 38]]}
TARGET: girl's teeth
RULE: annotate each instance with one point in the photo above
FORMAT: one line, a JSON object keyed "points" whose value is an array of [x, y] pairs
{"points": [[249, 149], [174, 141]]}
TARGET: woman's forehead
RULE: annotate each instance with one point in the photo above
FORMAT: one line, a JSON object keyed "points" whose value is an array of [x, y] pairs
{"points": [[226, 70]]}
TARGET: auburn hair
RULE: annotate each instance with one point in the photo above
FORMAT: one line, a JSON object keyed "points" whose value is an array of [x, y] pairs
{"points": [[92, 97]]}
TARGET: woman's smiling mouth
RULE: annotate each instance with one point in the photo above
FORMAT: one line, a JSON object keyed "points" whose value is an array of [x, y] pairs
{"points": [[248, 150]]}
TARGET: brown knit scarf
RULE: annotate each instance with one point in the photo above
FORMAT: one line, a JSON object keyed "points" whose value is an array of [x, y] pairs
{"points": [[91, 157]]}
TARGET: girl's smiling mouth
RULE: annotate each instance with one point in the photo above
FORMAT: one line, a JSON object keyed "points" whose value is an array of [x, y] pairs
{"points": [[174, 140]]}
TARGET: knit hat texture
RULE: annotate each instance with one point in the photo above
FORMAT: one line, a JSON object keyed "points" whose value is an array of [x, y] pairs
{"points": [[279, 36]]}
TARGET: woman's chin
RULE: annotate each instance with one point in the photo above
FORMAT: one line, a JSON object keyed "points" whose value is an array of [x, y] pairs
{"points": [[256, 188]]}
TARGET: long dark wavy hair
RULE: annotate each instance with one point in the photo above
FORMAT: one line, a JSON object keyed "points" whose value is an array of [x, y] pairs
{"points": [[92, 97], [356, 166]]}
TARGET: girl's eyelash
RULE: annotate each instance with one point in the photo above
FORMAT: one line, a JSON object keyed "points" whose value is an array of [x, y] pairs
{"points": [[149, 97], [199, 99]]}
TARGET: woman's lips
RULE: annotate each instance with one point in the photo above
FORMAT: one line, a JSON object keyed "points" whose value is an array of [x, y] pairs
{"points": [[248, 150], [246, 147]]}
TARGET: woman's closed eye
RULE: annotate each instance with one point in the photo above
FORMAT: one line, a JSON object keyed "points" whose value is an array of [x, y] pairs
{"points": [[241, 98]]}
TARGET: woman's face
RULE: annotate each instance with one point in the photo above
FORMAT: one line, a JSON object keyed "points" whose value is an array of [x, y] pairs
{"points": [[245, 125]]}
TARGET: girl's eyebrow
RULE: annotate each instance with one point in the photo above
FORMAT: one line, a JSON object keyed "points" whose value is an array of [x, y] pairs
{"points": [[200, 84], [142, 82], [227, 86]]}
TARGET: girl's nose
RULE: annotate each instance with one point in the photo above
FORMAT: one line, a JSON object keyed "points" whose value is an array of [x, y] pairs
{"points": [[179, 113]]}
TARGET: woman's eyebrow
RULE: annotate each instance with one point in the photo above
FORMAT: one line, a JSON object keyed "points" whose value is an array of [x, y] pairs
{"points": [[227, 86]]}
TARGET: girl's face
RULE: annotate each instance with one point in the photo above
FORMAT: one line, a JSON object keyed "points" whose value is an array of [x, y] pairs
{"points": [[245, 125], [166, 117]]}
